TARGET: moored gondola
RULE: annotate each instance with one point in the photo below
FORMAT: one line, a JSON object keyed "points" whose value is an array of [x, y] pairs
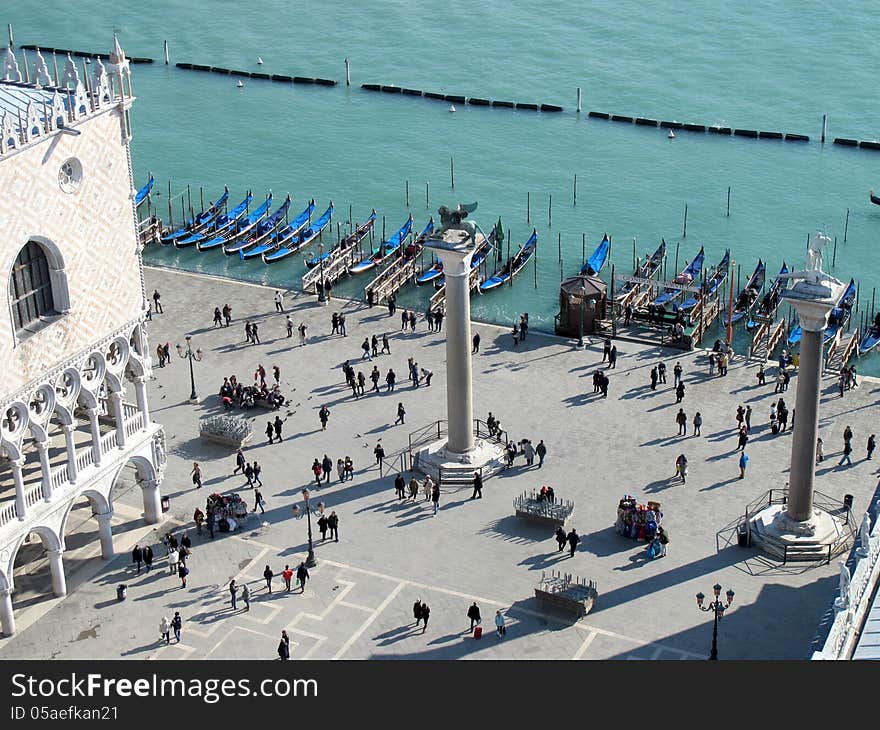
{"points": [[513, 265]]}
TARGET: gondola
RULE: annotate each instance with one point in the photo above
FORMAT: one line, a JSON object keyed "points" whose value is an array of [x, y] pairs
{"points": [[595, 263], [711, 286], [200, 222], [645, 270], [874, 198], [352, 239], [746, 299], [389, 247], [261, 231], [872, 336], [218, 224], [688, 274], [838, 318], [282, 236], [770, 302], [301, 239], [142, 194], [238, 230], [513, 265]]}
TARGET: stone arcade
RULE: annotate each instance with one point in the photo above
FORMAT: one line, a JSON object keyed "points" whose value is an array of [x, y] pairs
{"points": [[73, 344]]}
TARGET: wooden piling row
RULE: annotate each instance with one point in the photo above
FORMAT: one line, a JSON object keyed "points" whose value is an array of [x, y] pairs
{"points": [[462, 99], [281, 78], [714, 129]]}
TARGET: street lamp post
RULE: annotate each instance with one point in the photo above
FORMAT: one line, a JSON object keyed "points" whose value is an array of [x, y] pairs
{"points": [[187, 352], [310, 559], [717, 608]]}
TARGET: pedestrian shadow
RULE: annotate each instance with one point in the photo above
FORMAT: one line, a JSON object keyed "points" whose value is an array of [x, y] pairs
{"points": [[725, 455], [718, 485], [636, 560], [605, 542], [661, 441], [662, 407], [380, 429], [580, 399], [399, 634], [141, 649], [660, 484], [421, 515], [544, 561], [450, 637]]}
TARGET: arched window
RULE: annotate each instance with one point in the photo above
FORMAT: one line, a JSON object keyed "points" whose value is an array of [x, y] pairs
{"points": [[30, 288]]}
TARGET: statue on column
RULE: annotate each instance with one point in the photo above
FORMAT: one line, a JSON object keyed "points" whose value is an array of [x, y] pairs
{"points": [[455, 220], [865, 537], [814, 256], [842, 601]]}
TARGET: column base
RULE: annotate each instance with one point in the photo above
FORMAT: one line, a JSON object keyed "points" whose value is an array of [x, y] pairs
{"points": [[815, 539], [447, 466]]}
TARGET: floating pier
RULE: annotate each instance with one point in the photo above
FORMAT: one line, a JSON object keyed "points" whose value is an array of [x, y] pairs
{"points": [[392, 278]]}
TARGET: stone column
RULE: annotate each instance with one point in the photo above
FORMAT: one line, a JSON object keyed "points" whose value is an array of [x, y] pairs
{"points": [[105, 532], [459, 398], [93, 414], [7, 618], [70, 444], [114, 398], [45, 468], [56, 566], [140, 391], [813, 316], [152, 501], [20, 508]]}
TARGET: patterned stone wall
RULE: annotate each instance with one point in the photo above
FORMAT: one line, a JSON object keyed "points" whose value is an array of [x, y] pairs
{"points": [[93, 228]]}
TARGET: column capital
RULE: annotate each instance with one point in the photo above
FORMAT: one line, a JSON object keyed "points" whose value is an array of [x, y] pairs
{"points": [[150, 483]]}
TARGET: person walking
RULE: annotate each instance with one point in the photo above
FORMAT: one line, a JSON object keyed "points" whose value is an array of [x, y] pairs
{"points": [[606, 349], [278, 423], [679, 393], [425, 614], [654, 378], [820, 449], [740, 416], [661, 372], [871, 445], [259, 501], [279, 301], [847, 435], [743, 463], [246, 597], [147, 554], [240, 462], [317, 471], [400, 486], [333, 524], [374, 376], [182, 572], [747, 417], [386, 347], [478, 486], [476, 343], [268, 575], [165, 629], [218, 318], [365, 346], [743, 439], [303, 329], [561, 538], [612, 357], [541, 451], [417, 610], [438, 320], [698, 422], [676, 373], [288, 322], [257, 471], [227, 314], [681, 419], [287, 575], [322, 527], [414, 488], [284, 646], [379, 453], [847, 450], [327, 468], [681, 467], [529, 452], [233, 589], [573, 539], [427, 486], [401, 413], [340, 470], [302, 575], [499, 623], [156, 301], [435, 497], [173, 559], [137, 557], [342, 325], [255, 337], [249, 474], [389, 380], [196, 475], [473, 613]]}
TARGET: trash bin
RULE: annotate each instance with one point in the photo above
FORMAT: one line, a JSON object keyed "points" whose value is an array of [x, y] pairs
{"points": [[847, 502], [121, 590], [166, 504], [743, 538]]}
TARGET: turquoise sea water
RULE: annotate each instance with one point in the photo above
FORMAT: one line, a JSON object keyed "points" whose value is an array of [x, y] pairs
{"points": [[765, 65]]}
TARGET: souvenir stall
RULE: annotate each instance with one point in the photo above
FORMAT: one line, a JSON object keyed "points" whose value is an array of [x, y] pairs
{"points": [[228, 511], [638, 521]]}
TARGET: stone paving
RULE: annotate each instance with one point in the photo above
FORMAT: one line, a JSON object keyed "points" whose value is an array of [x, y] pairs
{"points": [[358, 603]]}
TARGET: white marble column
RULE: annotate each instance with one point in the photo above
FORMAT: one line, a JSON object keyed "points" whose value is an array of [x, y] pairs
{"points": [[140, 391], [105, 532], [114, 398], [70, 444], [813, 317], [45, 469], [7, 618], [17, 478], [152, 501], [95, 427], [56, 566], [459, 379]]}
